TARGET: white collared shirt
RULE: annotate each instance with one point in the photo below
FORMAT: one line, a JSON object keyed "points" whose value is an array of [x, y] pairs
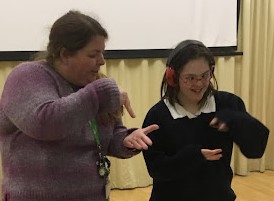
{"points": [[178, 111]]}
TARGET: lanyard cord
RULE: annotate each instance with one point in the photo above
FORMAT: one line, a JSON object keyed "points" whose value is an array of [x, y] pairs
{"points": [[93, 126]]}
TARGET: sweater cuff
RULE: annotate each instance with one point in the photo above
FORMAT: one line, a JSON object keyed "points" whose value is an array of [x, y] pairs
{"points": [[108, 94]]}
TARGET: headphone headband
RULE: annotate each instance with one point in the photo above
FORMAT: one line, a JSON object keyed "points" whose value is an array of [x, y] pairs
{"points": [[182, 45]]}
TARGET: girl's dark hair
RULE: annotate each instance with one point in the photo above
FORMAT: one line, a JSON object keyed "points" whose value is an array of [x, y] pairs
{"points": [[72, 32], [184, 52]]}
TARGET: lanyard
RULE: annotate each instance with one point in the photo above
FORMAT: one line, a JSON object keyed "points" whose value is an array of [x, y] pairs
{"points": [[93, 126], [103, 163]]}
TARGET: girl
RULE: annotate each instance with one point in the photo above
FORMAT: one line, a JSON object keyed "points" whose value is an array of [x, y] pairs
{"points": [[191, 152]]}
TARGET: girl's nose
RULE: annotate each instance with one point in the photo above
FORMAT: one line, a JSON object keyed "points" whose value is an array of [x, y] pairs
{"points": [[199, 81]]}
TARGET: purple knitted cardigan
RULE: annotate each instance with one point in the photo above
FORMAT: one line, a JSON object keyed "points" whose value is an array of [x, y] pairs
{"points": [[48, 150]]}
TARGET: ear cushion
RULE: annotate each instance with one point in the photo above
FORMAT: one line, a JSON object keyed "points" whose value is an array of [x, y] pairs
{"points": [[170, 77]]}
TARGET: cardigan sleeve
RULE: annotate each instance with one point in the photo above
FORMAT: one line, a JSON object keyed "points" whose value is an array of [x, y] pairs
{"points": [[248, 132]]}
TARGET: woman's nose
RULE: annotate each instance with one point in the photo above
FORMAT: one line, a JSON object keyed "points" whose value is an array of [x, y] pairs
{"points": [[101, 59]]}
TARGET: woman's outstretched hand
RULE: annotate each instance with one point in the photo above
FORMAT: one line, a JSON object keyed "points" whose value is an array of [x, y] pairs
{"points": [[138, 139]]}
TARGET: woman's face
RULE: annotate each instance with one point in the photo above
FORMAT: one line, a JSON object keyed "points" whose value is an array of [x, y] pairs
{"points": [[82, 67], [194, 80]]}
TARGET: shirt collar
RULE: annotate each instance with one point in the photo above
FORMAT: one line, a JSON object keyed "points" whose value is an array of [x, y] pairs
{"points": [[178, 111]]}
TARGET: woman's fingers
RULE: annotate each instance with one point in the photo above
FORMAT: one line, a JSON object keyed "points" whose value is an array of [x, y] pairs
{"points": [[138, 139]]}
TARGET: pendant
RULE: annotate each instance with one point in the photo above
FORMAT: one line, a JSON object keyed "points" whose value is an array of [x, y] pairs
{"points": [[102, 171], [103, 165]]}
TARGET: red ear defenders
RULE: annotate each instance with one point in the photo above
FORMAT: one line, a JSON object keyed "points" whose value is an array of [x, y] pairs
{"points": [[170, 76], [170, 72]]}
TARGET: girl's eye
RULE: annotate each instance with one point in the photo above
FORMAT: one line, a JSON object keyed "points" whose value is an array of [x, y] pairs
{"points": [[191, 78], [206, 75]]}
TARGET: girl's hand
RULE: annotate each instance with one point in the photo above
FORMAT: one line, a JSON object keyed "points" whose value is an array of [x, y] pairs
{"points": [[212, 155], [221, 126]]}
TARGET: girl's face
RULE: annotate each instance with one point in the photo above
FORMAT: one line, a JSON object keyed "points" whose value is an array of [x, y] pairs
{"points": [[82, 67], [194, 80]]}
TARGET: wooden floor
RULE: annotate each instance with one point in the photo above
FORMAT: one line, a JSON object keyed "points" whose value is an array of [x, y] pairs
{"points": [[255, 187]]}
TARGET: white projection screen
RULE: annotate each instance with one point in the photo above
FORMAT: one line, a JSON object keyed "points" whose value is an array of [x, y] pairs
{"points": [[131, 24]]}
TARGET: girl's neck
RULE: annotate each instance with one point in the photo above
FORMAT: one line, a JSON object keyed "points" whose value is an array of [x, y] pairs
{"points": [[192, 107]]}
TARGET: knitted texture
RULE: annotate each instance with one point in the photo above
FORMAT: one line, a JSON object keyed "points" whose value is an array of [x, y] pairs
{"points": [[48, 150]]}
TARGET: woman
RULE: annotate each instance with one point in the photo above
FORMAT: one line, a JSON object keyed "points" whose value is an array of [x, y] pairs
{"points": [[57, 121], [191, 152]]}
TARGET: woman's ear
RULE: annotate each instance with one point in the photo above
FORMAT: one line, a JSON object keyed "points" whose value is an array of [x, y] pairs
{"points": [[64, 56]]}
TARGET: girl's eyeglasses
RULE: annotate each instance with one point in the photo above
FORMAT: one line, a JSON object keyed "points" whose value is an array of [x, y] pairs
{"points": [[191, 79]]}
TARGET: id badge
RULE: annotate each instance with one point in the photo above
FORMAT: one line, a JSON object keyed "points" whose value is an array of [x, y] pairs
{"points": [[107, 188]]}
